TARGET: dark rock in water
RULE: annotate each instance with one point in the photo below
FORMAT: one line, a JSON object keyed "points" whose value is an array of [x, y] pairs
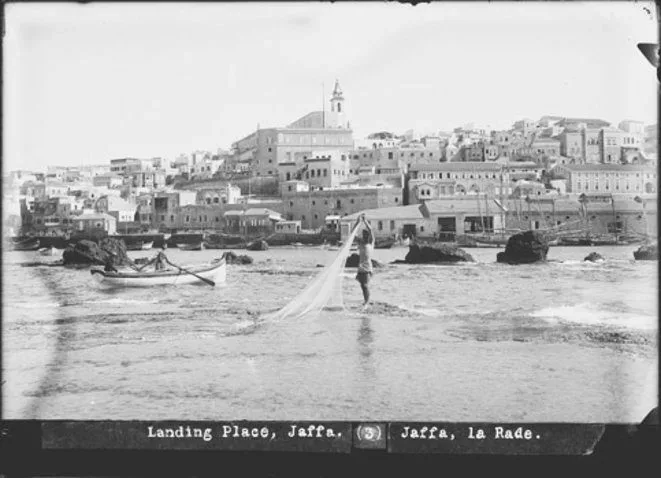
{"points": [[117, 248], [354, 259], [525, 248], [434, 253], [258, 246], [649, 252], [594, 257], [89, 252], [232, 258]]}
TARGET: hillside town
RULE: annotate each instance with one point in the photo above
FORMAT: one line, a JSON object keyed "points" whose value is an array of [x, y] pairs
{"points": [[313, 175]]}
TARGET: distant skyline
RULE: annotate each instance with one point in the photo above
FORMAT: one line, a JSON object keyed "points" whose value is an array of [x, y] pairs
{"points": [[87, 83]]}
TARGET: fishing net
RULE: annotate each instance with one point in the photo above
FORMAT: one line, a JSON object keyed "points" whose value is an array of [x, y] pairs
{"points": [[325, 291]]}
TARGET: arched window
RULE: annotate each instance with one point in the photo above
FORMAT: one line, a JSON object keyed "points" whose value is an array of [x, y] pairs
{"points": [[339, 107]]}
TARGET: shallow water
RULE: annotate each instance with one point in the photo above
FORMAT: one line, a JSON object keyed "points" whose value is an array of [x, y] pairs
{"points": [[562, 341]]}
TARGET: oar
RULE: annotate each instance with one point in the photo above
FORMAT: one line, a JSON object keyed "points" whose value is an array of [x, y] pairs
{"points": [[210, 282]]}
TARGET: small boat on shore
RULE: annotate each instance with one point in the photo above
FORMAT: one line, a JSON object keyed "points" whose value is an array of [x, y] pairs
{"points": [[28, 245], [217, 245], [198, 246], [384, 243], [139, 246], [50, 251], [214, 271]]}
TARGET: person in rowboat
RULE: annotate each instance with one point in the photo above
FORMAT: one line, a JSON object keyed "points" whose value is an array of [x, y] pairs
{"points": [[160, 261], [365, 250], [110, 263]]}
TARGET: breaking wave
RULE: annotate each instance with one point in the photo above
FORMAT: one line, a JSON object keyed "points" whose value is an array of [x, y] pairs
{"points": [[591, 314]]}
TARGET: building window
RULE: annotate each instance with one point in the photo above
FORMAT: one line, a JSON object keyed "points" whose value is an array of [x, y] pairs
{"points": [[315, 216], [172, 218], [325, 172], [313, 203], [339, 204], [396, 199], [291, 203], [422, 228], [351, 201], [302, 217]]}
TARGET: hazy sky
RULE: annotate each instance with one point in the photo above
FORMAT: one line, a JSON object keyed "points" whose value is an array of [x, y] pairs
{"points": [[87, 83]]}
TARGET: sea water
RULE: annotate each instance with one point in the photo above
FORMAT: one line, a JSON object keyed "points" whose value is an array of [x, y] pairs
{"points": [[562, 341]]}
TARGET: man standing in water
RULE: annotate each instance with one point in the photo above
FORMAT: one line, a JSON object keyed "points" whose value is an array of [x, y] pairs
{"points": [[365, 249]]}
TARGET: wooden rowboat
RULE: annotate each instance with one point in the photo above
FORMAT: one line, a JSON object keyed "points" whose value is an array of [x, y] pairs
{"points": [[215, 271]]}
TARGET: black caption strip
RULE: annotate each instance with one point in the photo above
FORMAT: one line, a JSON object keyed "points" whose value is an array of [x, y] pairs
{"points": [[332, 437]]}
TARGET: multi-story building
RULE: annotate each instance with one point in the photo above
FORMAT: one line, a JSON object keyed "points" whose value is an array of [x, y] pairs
{"points": [[545, 147], [251, 221], [148, 179], [122, 210], [378, 140], [491, 151], [206, 167], [93, 223], [526, 126], [51, 215], [592, 140], [429, 182], [571, 143], [123, 166], [472, 152], [54, 188], [611, 142], [108, 180], [322, 168], [311, 206], [195, 217], [635, 132], [165, 206], [591, 123], [222, 195], [87, 172], [609, 178]]}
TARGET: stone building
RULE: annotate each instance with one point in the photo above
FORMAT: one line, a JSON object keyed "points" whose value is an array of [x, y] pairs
{"points": [[311, 206], [94, 223], [251, 221], [428, 182], [609, 178]]}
